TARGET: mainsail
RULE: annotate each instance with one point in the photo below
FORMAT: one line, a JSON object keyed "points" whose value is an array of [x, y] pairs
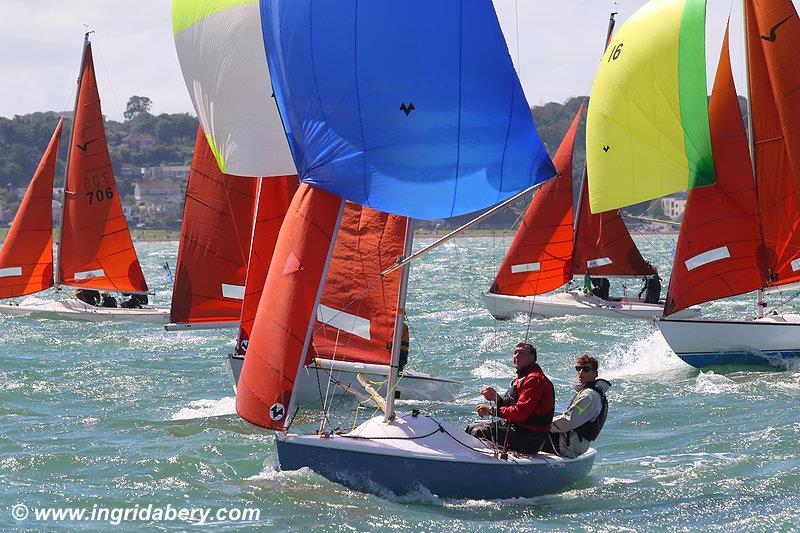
{"points": [[356, 316], [720, 248], [26, 260], [215, 239], [95, 249], [647, 132]]}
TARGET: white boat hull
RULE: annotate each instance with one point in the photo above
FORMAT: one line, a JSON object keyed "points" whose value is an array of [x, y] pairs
{"points": [[311, 385], [419, 452], [575, 303], [73, 309], [772, 341]]}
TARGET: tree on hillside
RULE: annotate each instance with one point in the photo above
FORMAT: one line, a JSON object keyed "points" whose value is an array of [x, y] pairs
{"points": [[137, 105]]}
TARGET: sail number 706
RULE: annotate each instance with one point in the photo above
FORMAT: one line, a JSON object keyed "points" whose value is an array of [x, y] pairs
{"points": [[94, 190]]}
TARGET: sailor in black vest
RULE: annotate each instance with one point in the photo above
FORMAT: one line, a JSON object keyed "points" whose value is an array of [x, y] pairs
{"points": [[572, 431]]}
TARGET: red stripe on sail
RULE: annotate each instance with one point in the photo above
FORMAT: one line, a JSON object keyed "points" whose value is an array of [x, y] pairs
{"points": [[215, 241], [360, 305], [540, 257], [29, 243], [774, 90], [96, 250], [720, 219], [285, 311], [273, 202]]}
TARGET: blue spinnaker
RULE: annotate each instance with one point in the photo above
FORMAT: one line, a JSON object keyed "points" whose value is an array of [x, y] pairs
{"points": [[411, 107]]}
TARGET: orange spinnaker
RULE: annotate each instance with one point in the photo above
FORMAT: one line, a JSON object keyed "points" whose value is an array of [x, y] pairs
{"points": [[273, 202], [215, 242], [26, 260], [540, 257], [775, 96], [720, 219], [359, 306], [285, 312], [96, 250]]}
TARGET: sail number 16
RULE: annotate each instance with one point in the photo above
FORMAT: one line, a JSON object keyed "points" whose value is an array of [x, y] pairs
{"points": [[615, 52]]}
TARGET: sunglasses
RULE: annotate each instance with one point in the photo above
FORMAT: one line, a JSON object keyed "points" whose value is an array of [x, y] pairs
{"points": [[584, 368]]}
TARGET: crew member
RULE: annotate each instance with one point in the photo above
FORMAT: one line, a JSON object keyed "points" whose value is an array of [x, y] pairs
{"points": [[526, 410], [572, 431]]}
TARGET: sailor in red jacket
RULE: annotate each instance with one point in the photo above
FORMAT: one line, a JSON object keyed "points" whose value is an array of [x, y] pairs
{"points": [[526, 410]]}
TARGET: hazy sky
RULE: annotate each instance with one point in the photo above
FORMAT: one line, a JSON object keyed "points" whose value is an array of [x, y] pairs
{"points": [[560, 42]]}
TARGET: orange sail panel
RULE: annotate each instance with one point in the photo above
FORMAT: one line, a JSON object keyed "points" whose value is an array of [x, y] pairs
{"points": [[540, 257], [26, 260], [215, 242], [95, 249], [273, 202], [769, 33], [356, 316], [720, 250], [283, 325], [603, 245]]}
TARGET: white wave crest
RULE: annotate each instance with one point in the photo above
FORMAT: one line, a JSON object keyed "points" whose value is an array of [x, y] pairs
{"points": [[207, 408]]}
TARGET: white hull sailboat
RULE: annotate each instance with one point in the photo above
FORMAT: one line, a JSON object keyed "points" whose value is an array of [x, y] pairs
{"points": [[95, 250], [551, 246], [74, 309], [575, 303]]}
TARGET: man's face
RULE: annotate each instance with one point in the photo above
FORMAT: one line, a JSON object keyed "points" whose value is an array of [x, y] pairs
{"points": [[522, 356], [585, 373]]}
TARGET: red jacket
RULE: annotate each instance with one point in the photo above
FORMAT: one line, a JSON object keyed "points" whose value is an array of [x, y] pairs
{"points": [[530, 402]]}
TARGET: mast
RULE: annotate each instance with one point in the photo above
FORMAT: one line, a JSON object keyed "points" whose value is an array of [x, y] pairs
{"points": [[751, 144], [57, 256], [398, 325], [609, 33]]}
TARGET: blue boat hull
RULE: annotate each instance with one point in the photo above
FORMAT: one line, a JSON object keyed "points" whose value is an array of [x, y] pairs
{"points": [[379, 473]]}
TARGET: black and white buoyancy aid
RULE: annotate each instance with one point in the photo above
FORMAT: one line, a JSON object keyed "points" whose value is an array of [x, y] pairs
{"points": [[591, 430]]}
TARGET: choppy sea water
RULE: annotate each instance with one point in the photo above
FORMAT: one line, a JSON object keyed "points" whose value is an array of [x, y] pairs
{"points": [[126, 416]]}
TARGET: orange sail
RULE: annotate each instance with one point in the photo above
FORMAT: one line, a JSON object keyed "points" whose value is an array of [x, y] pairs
{"points": [[282, 330], [26, 260], [95, 248], [357, 313], [773, 33], [540, 257], [603, 244], [215, 242], [720, 251], [273, 201]]}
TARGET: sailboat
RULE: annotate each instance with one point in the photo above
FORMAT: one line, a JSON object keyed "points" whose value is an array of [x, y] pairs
{"points": [[740, 227], [549, 248], [237, 123], [404, 145], [95, 250]]}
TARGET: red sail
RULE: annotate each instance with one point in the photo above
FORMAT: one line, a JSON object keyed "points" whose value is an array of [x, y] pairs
{"points": [[540, 257], [603, 245], [356, 316], [773, 41], [720, 250], [215, 242], [273, 201], [26, 260], [96, 250], [285, 312]]}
